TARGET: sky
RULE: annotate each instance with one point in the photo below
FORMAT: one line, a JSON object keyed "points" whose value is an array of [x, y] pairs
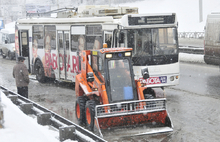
{"points": [[188, 18], [187, 11]]}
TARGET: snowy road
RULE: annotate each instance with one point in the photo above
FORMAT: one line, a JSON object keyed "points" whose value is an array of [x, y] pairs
{"points": [[193, 105]]}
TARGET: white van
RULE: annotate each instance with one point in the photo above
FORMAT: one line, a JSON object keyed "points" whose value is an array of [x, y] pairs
{"points": [[7, 43]]}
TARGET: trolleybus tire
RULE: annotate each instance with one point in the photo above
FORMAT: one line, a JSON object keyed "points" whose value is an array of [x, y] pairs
{"points": [[10, 55], [40, 76], [3, 56]]}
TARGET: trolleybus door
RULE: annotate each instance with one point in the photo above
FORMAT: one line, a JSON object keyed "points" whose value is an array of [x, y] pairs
{"points": [[64, 54], [24, 46], [108, 38]]}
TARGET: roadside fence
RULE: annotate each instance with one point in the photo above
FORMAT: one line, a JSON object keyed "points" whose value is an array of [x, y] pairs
{"points": [[198, 35]]}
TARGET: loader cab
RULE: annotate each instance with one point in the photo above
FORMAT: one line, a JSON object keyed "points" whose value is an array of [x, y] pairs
{"points": [[113, 66]]}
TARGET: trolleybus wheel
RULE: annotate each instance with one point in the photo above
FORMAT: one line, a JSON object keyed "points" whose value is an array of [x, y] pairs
{"points": [[10, 55], [3, 56], [40, 76]]}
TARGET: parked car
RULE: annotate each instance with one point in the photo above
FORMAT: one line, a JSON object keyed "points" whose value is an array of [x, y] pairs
{"points": [[7, 43]]}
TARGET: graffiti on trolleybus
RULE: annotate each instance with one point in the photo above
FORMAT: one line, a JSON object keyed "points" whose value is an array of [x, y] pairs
{"points": [[73, 67]]}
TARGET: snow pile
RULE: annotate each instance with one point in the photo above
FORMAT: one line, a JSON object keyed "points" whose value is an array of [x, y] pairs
{"points": [[192, 58], [21, 128]]}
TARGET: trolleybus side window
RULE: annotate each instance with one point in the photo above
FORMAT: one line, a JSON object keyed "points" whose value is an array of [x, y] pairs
{"points": [[94, 37], [50, 37], [38, 32], [78, 38]]}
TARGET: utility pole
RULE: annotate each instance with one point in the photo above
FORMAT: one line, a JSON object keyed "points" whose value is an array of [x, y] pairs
{"points": [[200, 11]]}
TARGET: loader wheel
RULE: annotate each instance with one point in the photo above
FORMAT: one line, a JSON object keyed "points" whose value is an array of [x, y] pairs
{"points": [[90, 114], [80, 110]]}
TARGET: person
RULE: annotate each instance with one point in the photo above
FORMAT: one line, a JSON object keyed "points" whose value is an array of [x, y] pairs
{"points": [[20, 73]]}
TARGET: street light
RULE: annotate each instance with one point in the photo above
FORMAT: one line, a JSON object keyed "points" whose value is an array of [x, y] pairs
{"points": [[200, 11]]}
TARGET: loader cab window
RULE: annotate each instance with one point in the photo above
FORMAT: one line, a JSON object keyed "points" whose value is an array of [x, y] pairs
{"points": [[120, 80], [97, 64]]}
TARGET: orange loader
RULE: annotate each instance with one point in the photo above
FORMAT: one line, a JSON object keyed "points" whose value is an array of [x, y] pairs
{"points": [[109, 98]]}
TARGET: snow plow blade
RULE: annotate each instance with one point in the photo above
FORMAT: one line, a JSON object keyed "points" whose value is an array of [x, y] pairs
{"points": [[137, 117]]}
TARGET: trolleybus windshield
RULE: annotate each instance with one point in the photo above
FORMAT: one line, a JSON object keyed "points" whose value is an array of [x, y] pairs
{"points": [[151, 46]]}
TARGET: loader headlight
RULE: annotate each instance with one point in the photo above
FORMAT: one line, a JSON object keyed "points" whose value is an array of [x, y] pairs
{"points": [[108, 55], [127, 53], [13, 49]]}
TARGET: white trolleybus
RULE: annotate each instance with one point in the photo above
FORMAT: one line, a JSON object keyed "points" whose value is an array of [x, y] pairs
{"points": [[52, 45]]}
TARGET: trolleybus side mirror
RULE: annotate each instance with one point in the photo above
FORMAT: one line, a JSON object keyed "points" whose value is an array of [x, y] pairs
{"points": [[145, 73]]}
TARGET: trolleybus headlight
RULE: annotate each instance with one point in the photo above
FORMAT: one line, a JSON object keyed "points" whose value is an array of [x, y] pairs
{"points": [[172, 78], [108, 55], [127, 53]]}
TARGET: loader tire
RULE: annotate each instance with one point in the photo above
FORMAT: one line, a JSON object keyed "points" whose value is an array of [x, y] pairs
{"points": [[80, 110], [90, 114]]}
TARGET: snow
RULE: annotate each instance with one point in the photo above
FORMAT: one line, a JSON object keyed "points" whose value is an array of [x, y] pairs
{"points": [[22, 128], [191, 58]]}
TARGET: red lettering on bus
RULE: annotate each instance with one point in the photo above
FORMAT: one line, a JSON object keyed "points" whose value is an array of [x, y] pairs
{"points": [[75, 64], [48, 60], [151, 80], [54, 60]]}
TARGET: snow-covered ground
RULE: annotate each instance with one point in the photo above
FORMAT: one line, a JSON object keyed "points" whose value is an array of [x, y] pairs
{"points": [[191, 58], [18, 127], [22, 128]]}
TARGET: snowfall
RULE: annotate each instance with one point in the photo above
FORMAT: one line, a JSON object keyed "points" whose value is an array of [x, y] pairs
{"points": [[22, 128]]}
